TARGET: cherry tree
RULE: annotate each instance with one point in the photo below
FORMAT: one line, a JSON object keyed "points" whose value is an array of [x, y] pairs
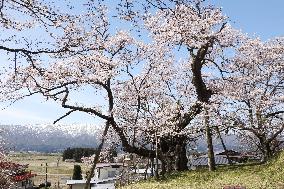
{"points": [[254, 93], [182, 97], [203, 31], [150, 96]]}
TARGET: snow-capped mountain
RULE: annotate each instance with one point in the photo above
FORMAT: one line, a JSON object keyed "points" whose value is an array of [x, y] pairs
{"points": [[49, 137]]}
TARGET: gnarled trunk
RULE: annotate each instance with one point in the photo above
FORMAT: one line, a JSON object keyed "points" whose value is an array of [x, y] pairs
{"points": [[268, 152], [181, 158], [174, 150]]}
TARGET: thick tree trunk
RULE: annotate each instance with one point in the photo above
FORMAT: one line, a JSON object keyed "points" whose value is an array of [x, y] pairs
{"points": [[166, 145], [181, 159], [163, 168], [267, 151], [174, 150], [152, 167]]}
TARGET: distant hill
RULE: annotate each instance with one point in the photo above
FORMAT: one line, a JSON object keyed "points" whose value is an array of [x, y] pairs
{"points": [[49, 138], [232, 142]]}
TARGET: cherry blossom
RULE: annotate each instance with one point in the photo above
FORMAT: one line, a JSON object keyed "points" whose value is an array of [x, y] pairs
{"points": [[157, 86]]}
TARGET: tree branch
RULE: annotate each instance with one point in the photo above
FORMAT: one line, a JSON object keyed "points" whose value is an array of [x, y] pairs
{"points": [[65, 115], [82, 109], [274, 113]]}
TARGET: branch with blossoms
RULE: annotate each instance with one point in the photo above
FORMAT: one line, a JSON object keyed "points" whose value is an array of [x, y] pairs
{"points": [[46, 14]]}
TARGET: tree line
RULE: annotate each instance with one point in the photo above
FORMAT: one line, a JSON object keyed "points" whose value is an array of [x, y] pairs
{"points": [[77, 153]]}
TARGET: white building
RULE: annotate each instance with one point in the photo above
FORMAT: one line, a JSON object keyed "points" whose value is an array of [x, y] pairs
{"points": [[95, 184], [108, 170], [105, 176]]}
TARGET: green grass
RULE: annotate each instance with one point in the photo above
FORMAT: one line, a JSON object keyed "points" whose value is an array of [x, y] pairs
{"points": [[252, 176]]}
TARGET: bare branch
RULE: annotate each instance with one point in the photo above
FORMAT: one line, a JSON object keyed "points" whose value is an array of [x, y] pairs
{"points": [[65, 115], [274, 113], [82, 109]]}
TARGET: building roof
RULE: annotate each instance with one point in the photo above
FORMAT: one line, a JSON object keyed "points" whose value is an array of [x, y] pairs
{"points": [[101, 165], [104, 186], [203, 160], [71, 182], [230, 153], [97, 181]]}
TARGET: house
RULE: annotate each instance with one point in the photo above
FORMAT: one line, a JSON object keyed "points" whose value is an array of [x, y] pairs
{"points": [[105, 176], [21, 178], [95, 184], [108, 170], [202, 161]]}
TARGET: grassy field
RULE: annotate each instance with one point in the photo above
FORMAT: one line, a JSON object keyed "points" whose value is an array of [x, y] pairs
{"points": [[266, 176], [37, 163]]}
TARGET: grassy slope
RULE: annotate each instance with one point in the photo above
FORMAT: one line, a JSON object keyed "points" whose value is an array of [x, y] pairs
{"points": [[268, 176]]}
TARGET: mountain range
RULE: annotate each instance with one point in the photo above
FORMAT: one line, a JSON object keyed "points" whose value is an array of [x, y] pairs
{"points": [[49, 137], [56, 138]]}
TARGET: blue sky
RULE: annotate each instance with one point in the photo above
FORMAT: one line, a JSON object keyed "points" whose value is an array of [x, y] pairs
{"points": [[261, 17], [256, 17]]}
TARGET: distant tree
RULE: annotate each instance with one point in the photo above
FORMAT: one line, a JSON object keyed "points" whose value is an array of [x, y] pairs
{"points": [[77, 153], [77, 173], [66, 154]]}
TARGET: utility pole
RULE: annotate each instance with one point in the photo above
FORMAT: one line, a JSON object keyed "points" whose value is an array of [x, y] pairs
{"points": [[58, 159], [157, 160], [45, 175]]}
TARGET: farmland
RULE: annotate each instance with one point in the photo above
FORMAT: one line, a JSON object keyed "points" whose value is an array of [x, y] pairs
{"points": [[57, 170]]}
